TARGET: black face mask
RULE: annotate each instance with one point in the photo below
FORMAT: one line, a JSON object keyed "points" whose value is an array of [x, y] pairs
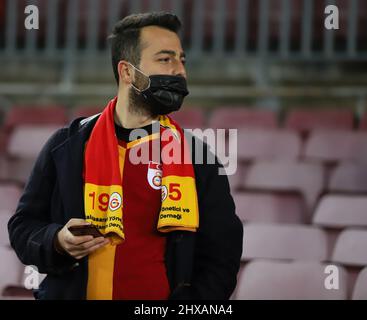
{"points": [[165, 93]]}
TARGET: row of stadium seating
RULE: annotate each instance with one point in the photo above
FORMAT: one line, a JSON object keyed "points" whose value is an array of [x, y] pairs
{"points": [[327, 148], [298, 119], [298, 185], [299, 280]]}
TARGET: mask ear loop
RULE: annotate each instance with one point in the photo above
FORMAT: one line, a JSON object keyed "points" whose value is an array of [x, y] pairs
{"points": [[137, 89]]}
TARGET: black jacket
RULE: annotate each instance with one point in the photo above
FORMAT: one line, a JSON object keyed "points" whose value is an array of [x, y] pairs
{"points": [[201, 265]]}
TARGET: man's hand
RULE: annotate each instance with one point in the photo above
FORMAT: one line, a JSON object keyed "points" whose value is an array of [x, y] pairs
{"points": [[78, 246]]}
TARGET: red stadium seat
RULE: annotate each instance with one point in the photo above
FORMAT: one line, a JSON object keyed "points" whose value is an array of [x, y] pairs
{"points": [[26, 141], [4, 168], [334, 146], [273, 280], [190, 118], [3, 141], [306, 178], [5, 215], [35, 115], [349, 178], [307, 120], [9, 197], [284, 242], [350, 248], [360, 288], [235, 180], [268, 144], [270, 208], [240, 117], [340, 211], [10, 269], [82, 111], [363, 123], [20, 292]]}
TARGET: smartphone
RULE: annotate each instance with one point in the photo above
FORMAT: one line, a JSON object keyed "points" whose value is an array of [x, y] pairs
{"points": [[85, 230]]}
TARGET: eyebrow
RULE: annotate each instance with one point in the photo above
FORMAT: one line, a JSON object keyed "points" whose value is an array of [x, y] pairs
{"points": [[170, 52]]}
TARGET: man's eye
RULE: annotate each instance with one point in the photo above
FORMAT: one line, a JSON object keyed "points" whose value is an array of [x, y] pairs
{"points": [[165, 59]]}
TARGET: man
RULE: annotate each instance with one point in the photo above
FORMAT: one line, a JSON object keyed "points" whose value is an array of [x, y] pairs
{"points": [[168, 230]]}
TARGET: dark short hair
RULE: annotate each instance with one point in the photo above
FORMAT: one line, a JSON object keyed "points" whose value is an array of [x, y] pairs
{"points": [[125, 37]]}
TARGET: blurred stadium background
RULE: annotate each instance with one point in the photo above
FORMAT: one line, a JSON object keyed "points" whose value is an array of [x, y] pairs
{"points": [[295, 91]]}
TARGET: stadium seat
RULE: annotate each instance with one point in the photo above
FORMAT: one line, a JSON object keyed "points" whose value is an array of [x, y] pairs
{"points": [[83, 111], [360, 288], [242, 117], [335, 146], [218, 145], [350, 248], [4, 168], [9, 196], [27, 141], [284, 242], [27, 270], [274, 280], [306, 178], [348, 178], [3, 141], [307, 120], [340, 211], [235, 180], [189, 118], [35, 115], [270, 208], [10, 269], [268, 144], [4, 235], [363, 123]]}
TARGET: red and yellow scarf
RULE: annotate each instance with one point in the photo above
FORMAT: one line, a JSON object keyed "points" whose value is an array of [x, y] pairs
{"points": [[103, 192]]}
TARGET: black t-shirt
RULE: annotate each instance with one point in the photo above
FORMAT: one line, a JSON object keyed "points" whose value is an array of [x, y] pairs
{"points": [[124, 133]]}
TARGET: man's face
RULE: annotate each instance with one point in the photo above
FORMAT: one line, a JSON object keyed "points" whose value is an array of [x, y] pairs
{"points": [[161, 52]]}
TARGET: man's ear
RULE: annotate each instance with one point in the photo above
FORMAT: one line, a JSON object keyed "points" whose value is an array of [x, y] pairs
{"points": [[126, 74]]}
